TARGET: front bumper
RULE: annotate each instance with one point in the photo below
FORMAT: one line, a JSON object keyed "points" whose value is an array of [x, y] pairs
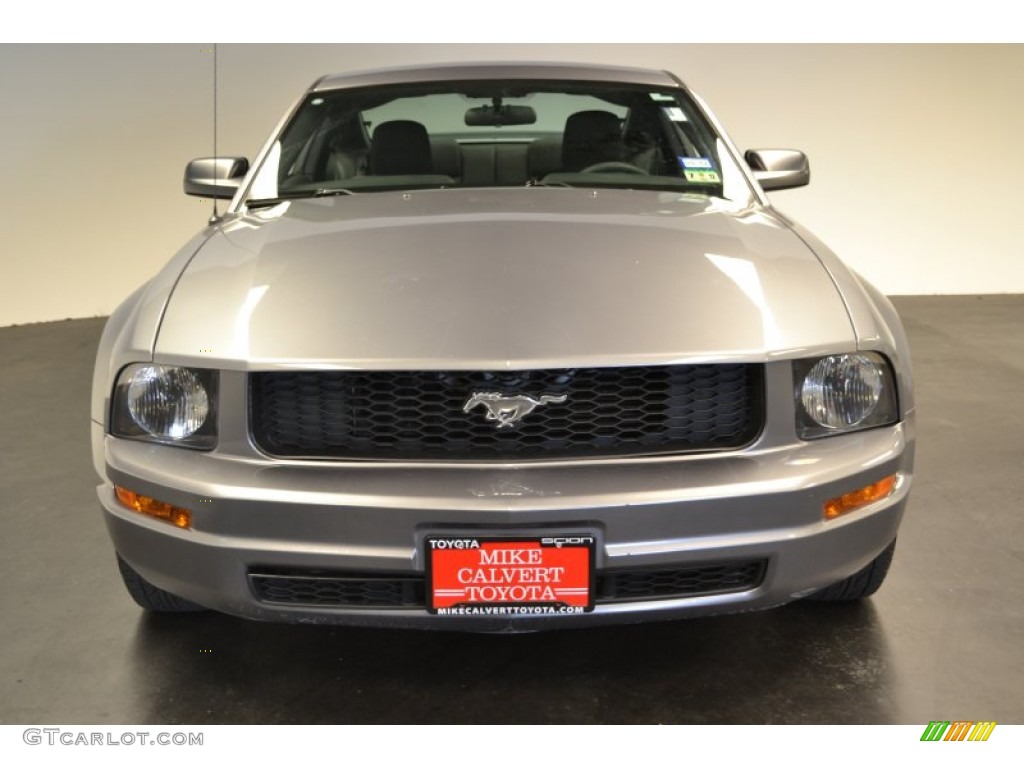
{"points": [[251, 514]]}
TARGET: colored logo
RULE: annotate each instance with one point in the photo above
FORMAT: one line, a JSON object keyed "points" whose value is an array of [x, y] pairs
{"points": [[958, 730]]}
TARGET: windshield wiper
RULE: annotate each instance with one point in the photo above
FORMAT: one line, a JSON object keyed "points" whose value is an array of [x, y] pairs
{"points": [[542, 183], [264, 202]]}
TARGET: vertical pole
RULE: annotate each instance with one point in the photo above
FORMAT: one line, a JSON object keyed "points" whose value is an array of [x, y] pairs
{"points": [[216, 215]]}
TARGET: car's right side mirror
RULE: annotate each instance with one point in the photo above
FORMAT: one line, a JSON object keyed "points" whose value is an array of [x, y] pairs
{"points": [[779, 168]]}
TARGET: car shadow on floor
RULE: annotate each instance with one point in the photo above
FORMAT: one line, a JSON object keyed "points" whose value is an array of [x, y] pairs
{"points": [[804, 663]]}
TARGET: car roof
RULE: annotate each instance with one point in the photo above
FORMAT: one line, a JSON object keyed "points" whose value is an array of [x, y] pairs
{"points": [[498, 71]]}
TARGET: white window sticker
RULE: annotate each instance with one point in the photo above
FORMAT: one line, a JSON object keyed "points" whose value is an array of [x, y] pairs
{"points": [[700, 170], [697, 163], [675, 114]]}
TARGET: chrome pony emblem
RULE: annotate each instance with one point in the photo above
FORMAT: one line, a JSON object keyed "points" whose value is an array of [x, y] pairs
{"points": [[508, 410]]}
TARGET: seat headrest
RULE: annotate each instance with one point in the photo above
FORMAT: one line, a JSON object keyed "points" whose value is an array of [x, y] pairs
{"points": [[590, 137], [400, 147]]}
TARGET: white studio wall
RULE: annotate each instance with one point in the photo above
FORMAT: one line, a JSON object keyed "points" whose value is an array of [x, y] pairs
{"points": [[915, 150]]}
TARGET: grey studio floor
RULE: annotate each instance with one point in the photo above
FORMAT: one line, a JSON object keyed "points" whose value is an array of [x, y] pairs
{"points": [[942, 640]]}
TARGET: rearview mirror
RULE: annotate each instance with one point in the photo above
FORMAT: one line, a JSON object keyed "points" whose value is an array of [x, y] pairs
{"points": [[216, 177], [779, 168], [501, 115]]}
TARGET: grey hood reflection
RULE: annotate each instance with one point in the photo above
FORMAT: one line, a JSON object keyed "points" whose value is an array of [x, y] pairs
{"points": [[515, 278]]}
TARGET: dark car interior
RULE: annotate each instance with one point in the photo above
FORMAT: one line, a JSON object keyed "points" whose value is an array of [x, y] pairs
{"points": [[627, 137]]}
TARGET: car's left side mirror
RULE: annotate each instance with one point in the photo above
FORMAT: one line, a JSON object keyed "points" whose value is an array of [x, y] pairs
{"points": [[779, 168], [216, 177]]}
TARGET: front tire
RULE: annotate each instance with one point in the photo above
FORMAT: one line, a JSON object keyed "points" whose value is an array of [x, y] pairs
{"points": [[153, 598], [863, 583]]}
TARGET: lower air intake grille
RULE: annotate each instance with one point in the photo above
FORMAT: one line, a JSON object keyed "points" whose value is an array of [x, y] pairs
{"points": [[664, 584], [342, 591], [325, 589]]}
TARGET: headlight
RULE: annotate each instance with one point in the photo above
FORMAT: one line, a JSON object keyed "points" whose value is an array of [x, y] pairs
{"points": [[844, 393], [166, 404]]}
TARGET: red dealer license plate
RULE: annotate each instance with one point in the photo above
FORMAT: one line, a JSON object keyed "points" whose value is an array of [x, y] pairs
{"points": [[491, 576]]}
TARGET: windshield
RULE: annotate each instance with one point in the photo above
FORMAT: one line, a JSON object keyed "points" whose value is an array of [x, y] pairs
{"points": [[498, 133]]}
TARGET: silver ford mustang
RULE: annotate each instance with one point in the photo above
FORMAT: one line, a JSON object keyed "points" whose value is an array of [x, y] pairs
{"points": [[501, 347]]}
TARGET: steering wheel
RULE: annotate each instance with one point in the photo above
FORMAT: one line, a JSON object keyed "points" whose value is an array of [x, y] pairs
{"points": [[615, 166]]}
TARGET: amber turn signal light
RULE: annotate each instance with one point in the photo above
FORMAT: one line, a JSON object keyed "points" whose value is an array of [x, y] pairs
{"points": [[859, 498], [161, 510]]}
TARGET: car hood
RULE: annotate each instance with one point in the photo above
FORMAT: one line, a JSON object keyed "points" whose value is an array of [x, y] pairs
{"points": [[502, 278]]}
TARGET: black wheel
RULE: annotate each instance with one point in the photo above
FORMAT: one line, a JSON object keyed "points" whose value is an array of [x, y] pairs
{"points": [[863, 583], [615, 166], [153, 598]]}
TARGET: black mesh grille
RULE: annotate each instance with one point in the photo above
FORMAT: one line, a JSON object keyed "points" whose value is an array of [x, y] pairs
{"points": [[420, 415], [623, 586], [352, 591], [319, 588]]}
